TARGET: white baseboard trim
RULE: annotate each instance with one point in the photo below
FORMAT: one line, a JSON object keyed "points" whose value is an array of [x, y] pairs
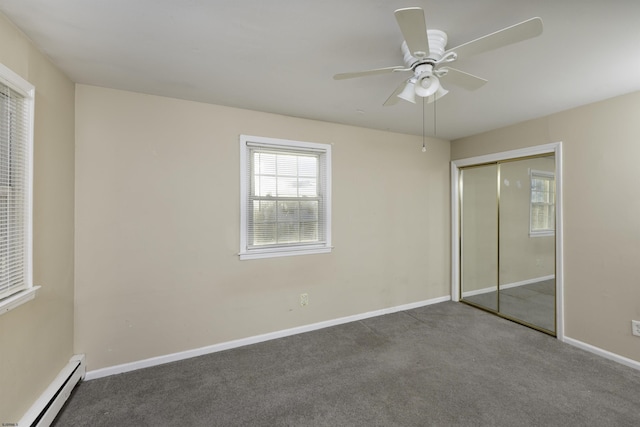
{"points": [[508, 285], [44, 410], [160, 360], [603, 353]]}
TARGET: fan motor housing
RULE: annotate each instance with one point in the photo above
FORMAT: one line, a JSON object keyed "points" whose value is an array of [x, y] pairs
{"points": [[437, 44]]}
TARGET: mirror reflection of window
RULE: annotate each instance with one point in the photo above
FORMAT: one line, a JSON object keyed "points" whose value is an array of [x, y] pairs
{"points": [[543, 203]]}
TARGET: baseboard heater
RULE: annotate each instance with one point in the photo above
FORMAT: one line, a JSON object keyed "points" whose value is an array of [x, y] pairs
{"points": [[44, 410]]}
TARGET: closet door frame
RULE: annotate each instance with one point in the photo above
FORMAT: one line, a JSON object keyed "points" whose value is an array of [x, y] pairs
{"points": [[456, 165]]}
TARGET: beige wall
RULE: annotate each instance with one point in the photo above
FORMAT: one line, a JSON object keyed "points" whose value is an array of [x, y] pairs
{"points": [[601, 211], [157, 227], [36, 339]]}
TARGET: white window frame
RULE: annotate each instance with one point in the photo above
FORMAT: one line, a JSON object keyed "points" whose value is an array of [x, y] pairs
{"points": [[26, 291], [246, 252], [547, 175]]}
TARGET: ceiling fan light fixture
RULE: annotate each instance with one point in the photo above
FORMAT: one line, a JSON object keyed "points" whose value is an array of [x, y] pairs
{"points": [[409, 92], [425, 55], [427, 85]]}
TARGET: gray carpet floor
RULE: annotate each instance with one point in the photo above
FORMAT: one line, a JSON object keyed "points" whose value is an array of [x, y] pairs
{"points": [[534, 303], [447, 364]]}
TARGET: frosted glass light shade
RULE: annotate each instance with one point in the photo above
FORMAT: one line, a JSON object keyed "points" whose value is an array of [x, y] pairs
{"points": [[427, 85], [409, 92]]}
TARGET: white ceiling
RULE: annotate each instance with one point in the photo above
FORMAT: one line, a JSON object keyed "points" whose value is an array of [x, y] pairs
{"points": [[279, 56]]}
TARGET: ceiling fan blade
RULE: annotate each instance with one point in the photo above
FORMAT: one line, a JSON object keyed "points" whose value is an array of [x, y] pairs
{"points": [[513, 34], [393, 99], [414, 29], [373, 72], [462, 79]]}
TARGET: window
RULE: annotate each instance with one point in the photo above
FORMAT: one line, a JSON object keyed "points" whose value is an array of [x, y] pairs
{"points": [[543, 203], [286, 197], [16, 124]]}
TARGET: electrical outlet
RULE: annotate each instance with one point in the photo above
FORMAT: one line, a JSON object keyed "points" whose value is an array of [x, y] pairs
{"points": [[635, 327], [304, 299]]}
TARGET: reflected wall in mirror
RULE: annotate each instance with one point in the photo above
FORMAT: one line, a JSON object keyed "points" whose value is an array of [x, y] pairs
{"points": [[479, 231]]}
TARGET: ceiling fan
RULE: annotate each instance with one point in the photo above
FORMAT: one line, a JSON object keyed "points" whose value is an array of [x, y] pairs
{"points": [[425, 56]]}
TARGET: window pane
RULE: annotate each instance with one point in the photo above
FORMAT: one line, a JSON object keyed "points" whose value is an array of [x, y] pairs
{"points": [[307, 166], [264, 211], [542, 217], [288, 232], [287, 187], [265, 163], [309, 231], [307, 187], [536, 217], [536, 197], [287, 165], [264, 233], [265, 186], [288, 212], [264, 223], [536, 184], [309, 211]]}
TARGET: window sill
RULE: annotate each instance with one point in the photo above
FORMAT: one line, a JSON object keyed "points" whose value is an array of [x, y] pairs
{"points": [[272, 253], [16, 300]]}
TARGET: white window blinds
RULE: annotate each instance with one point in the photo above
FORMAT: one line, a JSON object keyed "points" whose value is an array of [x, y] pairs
{"points": [[15, 189], [286, 196]]}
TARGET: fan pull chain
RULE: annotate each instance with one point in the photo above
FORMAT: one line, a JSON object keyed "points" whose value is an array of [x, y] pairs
{"points": [[435, 122], [424, 147]]}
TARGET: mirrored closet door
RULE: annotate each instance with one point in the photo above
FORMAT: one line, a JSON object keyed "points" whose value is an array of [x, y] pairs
{"points": [[507, 229]]}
